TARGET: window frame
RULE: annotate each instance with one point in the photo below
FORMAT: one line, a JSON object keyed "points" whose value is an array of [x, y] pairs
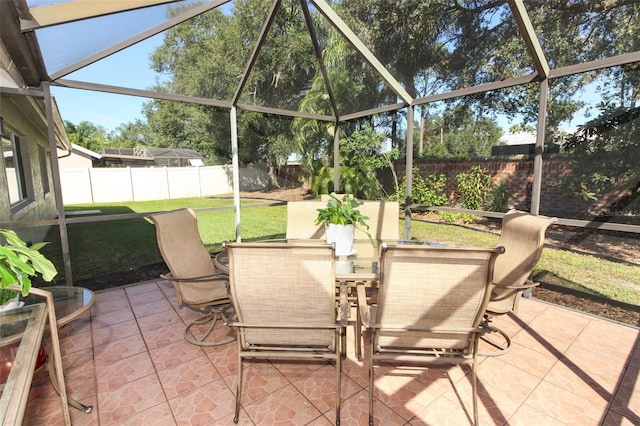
{"points": [[22, 165]]}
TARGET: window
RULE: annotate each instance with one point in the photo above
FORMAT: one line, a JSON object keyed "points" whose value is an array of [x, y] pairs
{"points": [[16, 164]]}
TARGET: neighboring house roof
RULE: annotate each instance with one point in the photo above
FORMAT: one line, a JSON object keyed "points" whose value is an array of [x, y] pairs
{"points": [[142, 153], [153, 156], [85, 151], [518, 138]]}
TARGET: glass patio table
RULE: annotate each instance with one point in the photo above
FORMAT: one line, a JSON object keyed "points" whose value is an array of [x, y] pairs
{"points": [[69, 303], [361, 266]]}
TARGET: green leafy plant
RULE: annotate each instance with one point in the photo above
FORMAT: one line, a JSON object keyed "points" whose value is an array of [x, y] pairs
{"points": [[473, 188], [19, 262], [500, 197], [343, 212], [447, 217]]}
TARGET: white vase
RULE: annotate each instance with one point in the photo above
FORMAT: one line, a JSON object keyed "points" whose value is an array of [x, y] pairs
{"points": [[342, 236], [11, 304]]}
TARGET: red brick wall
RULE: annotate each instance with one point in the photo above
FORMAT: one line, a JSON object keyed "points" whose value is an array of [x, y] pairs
{"points": [[518, 173]]}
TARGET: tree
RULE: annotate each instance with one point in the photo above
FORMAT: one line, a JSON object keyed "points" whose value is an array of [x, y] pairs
{"points": [[87, 135], [606, 154], [461, 133], [131, 135], [205, 57], [362, 155]]}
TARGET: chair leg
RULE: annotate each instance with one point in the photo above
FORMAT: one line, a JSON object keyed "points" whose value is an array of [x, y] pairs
{"points": [[503, 344], [474, 385], [358, 335], [338, 382], [213, 317], [371, 388], [236, 416]]}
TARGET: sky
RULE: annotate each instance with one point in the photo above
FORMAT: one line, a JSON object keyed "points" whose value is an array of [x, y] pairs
{"points": [[129, 68]]}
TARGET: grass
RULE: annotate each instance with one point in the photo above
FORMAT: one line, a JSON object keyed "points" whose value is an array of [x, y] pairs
{"points": [[590, 274], [102, 247]]}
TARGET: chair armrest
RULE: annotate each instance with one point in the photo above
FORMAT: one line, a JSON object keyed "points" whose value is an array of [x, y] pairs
{"points": [[527, 284], [212, 277], [363, 307]]}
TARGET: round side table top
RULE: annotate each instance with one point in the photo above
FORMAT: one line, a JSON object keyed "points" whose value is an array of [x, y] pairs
{"points": [[69, 302]]}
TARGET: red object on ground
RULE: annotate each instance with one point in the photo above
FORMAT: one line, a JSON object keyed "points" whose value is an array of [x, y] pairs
{"points": [[8, 355]]}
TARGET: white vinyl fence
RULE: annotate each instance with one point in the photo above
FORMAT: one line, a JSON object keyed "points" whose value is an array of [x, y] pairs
{"points": [[107, 185]]}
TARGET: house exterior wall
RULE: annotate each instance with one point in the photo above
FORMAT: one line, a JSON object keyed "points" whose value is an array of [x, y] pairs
{"points": [[40, 204], [21, 117]]}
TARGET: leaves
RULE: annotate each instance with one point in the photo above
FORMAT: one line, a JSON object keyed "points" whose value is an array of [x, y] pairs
{"points": [[341, 212], [18, 262]]}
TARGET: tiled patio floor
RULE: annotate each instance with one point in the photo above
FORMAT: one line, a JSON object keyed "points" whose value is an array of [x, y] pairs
{"points": [[129, 360]]}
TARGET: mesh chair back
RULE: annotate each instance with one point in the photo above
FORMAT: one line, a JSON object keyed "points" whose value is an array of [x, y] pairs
{"points": [[383, 220], [186, 256], [522, 237], [283, 285], [441, 293], [301, 216]]}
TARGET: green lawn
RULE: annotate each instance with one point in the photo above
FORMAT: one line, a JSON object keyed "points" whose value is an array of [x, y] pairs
{"points": [[617, 281], [102, 247]]}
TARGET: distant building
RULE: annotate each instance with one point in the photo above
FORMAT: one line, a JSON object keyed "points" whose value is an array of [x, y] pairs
{"points": [[518, 139], [78, 157], [150, 157], [520, 143]]}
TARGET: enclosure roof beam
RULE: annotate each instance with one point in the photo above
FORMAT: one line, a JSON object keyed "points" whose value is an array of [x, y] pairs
{"points": [[138, 38], [73, 84], [353, 39], [316, 47], [373, 111], [613, 61], [495, 85], [256, 49], [287, 113], [76, 10], [530, 38]]}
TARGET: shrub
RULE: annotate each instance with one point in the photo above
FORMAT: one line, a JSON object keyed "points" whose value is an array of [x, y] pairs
{"points": [[499, 197], [473, 188], [448, 217], [429, 191]]}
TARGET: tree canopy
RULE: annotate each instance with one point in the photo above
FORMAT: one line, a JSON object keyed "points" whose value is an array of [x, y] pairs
{"points": [[431, 47]]}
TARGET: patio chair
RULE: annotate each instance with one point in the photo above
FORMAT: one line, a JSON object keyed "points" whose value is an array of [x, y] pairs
{"points": [[522, 236], [285, 301], [301, 216], [384, 220], [431, 303], [192, 272]]}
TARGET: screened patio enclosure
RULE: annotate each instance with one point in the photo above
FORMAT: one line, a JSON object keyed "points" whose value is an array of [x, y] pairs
{"points": [[260, 79]]}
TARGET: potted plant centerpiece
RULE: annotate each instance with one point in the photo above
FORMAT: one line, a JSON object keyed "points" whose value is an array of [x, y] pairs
{"points": [[18, 263], [340, 218]]}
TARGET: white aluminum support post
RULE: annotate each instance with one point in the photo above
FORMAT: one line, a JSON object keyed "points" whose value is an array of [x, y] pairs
{"points": [[236, 171], [408, 173]]}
